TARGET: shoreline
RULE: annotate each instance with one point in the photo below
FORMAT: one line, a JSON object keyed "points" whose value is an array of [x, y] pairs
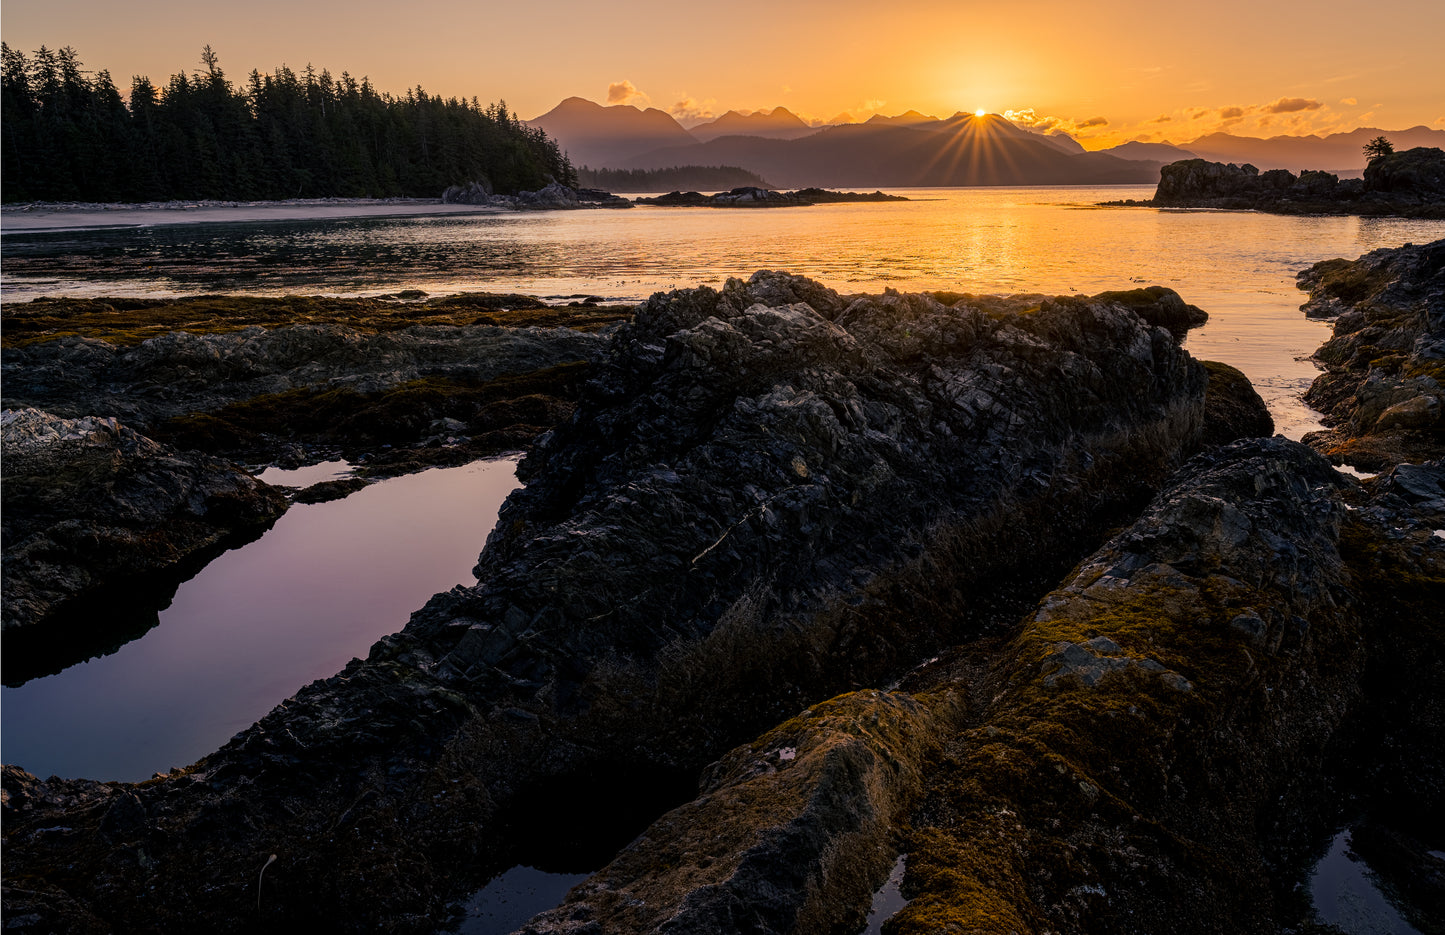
{"points": [[37, 217]]}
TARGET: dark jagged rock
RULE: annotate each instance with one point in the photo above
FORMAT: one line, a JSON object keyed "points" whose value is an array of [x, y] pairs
{"points": [[1408, 184], [1384, 384], [1232, 407], [1162, 720], [91, 504], [753, 197], [755, 506], [554, 196], [1137, 752], [747, 196], [180, 373], [785, 832]]}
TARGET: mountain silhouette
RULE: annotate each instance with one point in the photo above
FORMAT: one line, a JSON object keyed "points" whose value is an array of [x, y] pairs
{"points": [[1149, 152], [598, 136], [779, 123], [962, 150], [1337, 152]]}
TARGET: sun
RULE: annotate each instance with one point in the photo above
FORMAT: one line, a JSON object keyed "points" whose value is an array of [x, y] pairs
{"points": [[979, 113]]}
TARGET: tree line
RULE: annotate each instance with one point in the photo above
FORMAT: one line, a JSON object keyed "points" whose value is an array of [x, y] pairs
{"points": [[69, 135]]}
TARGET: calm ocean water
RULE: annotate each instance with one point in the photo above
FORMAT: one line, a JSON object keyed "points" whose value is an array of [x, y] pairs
{"points": [[1238, 266]]}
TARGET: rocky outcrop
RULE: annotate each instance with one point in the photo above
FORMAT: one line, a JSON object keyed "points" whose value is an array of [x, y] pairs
{"points": [[1164, 718], [1136, 758], [90, 504], [1232, 407], [180, 373], [1384, 381], [769, 494], [753, 197], [555, 196], [788, 834], [1409, 184]]}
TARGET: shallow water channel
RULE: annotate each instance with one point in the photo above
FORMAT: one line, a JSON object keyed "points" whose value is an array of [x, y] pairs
{"points": [[258, 623]]}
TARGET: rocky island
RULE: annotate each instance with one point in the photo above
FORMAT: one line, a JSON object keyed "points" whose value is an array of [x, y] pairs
{"points": [[808, 581], [753, 197], [1404, 184], [557, 196]]}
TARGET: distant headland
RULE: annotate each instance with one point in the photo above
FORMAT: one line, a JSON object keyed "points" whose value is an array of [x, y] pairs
{"points": [[1404, 184]]}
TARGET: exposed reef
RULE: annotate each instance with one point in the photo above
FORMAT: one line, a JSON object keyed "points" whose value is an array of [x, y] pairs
{"points": [[1135, 758], [554, 196], [1404, 184], [91, 506], [754, 197], [767, 495], [1384, 382], [253, 378]]}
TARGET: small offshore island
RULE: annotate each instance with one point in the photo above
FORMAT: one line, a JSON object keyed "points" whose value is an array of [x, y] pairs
{"points": [[800, 581], [1406, 184]]}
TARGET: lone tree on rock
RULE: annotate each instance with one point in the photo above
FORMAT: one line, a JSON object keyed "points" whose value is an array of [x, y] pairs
{"points": [[1378, 147]]}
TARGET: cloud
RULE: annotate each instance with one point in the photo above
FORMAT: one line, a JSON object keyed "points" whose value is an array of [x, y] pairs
{"points": [[1290, 105], [1162, 118], [690, 110], [1028, 117], [625, 92], [1349, 101], [1231, 114]]}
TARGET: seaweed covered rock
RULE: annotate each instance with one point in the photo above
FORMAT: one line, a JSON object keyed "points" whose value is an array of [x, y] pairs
{"points": [[1232, 407], [179, 373], [90, 504], [789, 833], [768, 495], [1384, 381], [1151, 726]]}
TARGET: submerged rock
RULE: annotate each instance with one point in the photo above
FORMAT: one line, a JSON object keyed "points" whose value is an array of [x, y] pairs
{"points": [[1384, 380], [90, 504], [769, 494]]}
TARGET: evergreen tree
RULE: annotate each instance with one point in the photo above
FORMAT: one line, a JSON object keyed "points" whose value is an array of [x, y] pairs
{"points": [[68, 135]]}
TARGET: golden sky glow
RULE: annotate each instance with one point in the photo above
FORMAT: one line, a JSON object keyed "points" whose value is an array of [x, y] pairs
{"points": [[1105, 71]]}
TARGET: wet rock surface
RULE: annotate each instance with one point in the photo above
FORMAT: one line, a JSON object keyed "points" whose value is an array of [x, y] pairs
{"points": [[1384, 384], [788, 833], [768, 494], [180, 373], [1144, 753], [90, 505], [1406, 184]]}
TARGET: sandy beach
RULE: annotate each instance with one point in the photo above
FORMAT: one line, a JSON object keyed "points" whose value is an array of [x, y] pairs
{"points": [[79, 216]]}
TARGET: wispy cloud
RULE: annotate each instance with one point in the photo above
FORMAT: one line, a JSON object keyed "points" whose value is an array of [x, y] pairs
{"points": [[1349, 101], [1028, 117], [625, 92], [689, 110]]}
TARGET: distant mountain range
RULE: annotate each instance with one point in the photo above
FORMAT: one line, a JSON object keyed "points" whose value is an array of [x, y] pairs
{"points": [[1336, 152], [915, 149], [963, 150]]}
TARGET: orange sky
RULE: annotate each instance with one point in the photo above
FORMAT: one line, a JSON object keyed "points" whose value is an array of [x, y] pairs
{"points": [[1108, 71]]}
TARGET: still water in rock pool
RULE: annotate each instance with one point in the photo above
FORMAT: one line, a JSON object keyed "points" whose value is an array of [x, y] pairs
{"points": [[256, 624]]}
